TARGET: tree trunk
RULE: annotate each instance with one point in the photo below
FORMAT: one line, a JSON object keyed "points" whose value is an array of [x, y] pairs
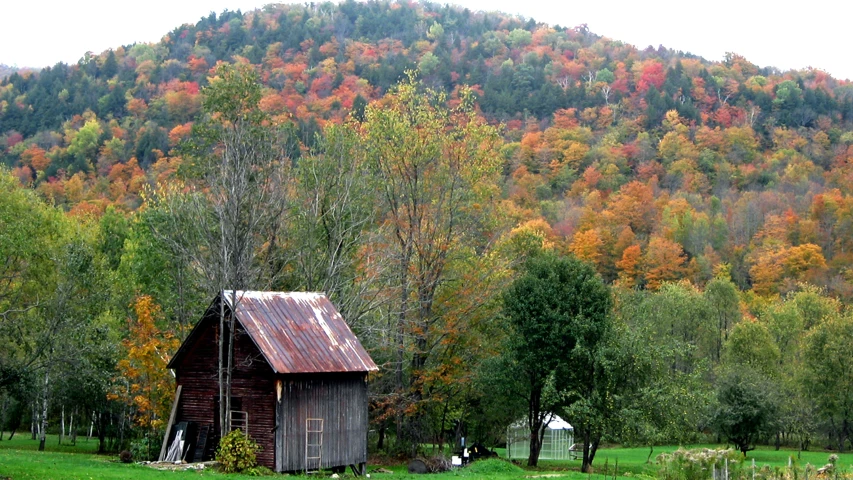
{"points": [[62, 426], [537, 431], [221, 371], [535, 447], [34, 418], [3, 415], [71, 428], [380, 444], [91, 426], [586, 465], [232, 335], [121, 423], [534, 422], [401, 343], [102, 434], [43, 423]]}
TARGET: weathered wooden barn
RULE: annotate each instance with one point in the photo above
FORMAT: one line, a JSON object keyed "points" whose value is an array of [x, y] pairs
{"points": [[299, 383]]}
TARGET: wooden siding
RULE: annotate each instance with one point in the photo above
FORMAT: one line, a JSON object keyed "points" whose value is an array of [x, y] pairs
{"points": [[252, 386], [341, 401]]}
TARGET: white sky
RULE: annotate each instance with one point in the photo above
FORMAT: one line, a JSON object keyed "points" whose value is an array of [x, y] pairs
{"points": [[38, 33]]}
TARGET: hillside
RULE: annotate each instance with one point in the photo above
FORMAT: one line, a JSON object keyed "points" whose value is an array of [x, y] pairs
{"points": [[730, 162], [6, 70], [432, 169]]}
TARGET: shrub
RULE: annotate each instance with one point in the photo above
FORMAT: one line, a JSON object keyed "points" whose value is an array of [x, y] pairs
{"points": [[145, 448], [237, 452]]}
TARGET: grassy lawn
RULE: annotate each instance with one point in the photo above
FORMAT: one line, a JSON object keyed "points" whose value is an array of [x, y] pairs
{"points": [[633, 458], [20, 459]]}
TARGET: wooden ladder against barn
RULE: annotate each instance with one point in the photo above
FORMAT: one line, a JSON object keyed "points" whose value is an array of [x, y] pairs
{"points": [[313, 443], [240, 421]]}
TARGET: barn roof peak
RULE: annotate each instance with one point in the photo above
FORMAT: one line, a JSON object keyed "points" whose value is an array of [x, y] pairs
{"points": [[297, 332]]}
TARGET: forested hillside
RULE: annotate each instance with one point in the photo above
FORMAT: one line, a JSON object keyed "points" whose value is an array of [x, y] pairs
{"points": [[713, 198]]}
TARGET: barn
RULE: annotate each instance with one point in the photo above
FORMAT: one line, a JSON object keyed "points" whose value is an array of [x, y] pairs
{"points": [[299, 383]]}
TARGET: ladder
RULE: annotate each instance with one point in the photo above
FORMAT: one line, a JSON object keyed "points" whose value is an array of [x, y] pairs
{"points": [[313, 443], [240, 421]]}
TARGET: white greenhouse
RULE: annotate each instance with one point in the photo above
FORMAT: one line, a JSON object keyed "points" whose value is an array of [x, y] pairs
{"points": [[556, 443]]}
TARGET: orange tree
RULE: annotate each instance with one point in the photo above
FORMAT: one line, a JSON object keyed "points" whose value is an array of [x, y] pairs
{"points": [[146, 384]]}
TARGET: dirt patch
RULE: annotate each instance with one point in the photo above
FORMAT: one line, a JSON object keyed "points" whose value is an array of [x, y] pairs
{"points": [[179, 466]]}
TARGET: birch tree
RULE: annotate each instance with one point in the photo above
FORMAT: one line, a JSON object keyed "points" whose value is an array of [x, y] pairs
{"points": [[228, 218]]}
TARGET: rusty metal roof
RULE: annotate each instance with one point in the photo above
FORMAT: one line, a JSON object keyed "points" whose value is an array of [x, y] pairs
{"points": [[300, 332]]}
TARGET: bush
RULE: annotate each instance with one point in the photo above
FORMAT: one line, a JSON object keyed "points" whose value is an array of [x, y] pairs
{"points": [[125, 456], [237, 452], [145, 448]]}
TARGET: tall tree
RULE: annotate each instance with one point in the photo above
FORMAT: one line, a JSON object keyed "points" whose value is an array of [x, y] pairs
{"points": [[746, 407], [828, 378], [436, 167], [237, 164], [559, 312], [334, 207]]}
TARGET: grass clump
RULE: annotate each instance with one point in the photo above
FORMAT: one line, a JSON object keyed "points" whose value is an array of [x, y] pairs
{"points": [[697, 464], [492, 466]]}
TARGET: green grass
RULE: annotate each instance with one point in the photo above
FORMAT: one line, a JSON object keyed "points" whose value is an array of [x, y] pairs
{"points": [[20, 459], [633, 460]]}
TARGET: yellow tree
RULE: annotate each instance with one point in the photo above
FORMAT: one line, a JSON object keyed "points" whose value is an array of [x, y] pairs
{"points": [[588, 246], [149, 385]]}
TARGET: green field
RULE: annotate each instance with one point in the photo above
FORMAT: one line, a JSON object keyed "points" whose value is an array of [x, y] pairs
{"points": [[20, 459]]}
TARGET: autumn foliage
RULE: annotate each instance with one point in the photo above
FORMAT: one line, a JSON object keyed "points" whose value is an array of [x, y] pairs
{"points": [[145, 382]]}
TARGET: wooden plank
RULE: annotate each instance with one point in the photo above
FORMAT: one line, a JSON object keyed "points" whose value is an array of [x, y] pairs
{"points": [[171, 421], [201, 443]]}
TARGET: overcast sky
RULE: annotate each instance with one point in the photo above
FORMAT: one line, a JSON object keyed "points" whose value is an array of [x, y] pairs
{"points": [[813, 33]]}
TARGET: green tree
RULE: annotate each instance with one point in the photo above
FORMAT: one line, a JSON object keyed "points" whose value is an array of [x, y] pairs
{"points": [[85, 142], [663, 405], [750, 345], [559, 312], [746, 407], [436, 169], [724, 303], [333, 211], [29, 231], [828, 378], [679, 316]]}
